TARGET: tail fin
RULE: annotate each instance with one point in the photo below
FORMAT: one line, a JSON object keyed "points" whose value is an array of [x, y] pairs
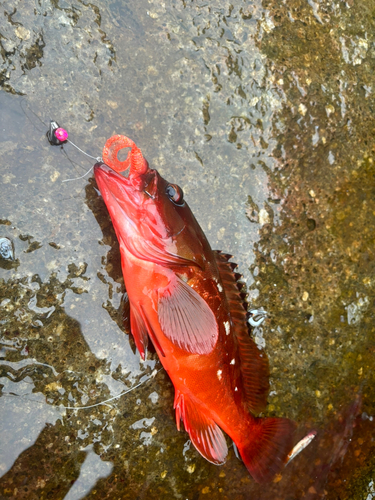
{"points": [[266, 449]]}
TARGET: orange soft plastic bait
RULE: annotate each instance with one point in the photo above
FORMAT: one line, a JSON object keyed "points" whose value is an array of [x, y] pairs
{"points": [[138, 165]]}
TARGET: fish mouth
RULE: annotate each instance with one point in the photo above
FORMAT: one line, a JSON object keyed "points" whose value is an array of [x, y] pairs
{"points": [[110, 182], [101, 170], [106, 174], [119, 193], [130, 198]]}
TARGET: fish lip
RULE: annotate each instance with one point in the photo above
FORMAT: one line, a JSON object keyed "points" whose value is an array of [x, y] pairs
{"points": [[103, 167], [106, 176], [103, 175]]}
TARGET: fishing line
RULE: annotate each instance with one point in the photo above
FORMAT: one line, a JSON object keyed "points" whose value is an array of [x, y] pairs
{"points": [[98, 159], [153, 375], [73, 163], [36, 116], [78, 178]]}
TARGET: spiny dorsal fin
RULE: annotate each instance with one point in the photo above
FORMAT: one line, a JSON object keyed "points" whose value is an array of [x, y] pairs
{"points": [[254, 363]]}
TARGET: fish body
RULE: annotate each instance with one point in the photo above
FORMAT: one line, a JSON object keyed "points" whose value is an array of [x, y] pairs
{"points": [[184, 297]]}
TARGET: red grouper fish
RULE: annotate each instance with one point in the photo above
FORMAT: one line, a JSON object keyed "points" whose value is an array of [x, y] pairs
{"points": [[184, 297]]}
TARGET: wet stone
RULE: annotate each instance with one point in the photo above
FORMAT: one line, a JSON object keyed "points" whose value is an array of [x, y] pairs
{"points": [[263, 113]]}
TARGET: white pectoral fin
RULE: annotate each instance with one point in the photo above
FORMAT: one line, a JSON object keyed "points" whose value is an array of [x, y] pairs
{"points": [[186, 319]]}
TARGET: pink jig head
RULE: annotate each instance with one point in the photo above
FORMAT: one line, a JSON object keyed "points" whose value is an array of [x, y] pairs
{"points": [[61, 134], [138, 165], [56, 135]]}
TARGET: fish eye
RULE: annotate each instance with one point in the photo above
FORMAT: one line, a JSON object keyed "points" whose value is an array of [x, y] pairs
{"points": [[175, 194]]}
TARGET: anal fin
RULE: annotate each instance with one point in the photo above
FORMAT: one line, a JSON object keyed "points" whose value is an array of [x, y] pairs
{"points": [[205, 434]]}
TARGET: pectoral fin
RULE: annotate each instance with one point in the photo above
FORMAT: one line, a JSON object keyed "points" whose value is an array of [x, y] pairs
{"points": [[205, 434], [186, 319]]}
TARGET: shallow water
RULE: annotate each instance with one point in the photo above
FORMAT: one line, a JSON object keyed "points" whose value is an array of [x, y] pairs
{"points": [[263, 113]]}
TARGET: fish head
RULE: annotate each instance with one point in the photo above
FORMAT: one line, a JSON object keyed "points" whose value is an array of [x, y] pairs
{"points": [[151, 218]]}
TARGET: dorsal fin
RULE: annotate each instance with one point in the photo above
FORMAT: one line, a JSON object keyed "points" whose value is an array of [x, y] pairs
{"points": [[254, 363]]}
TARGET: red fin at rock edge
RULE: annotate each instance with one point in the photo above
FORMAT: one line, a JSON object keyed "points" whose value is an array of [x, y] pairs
{"points": [[151, 333], [139, 331], [205, 434], [267, 447]]}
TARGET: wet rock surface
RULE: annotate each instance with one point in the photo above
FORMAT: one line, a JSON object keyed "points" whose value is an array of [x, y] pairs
{"points": [[263, 113]]}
